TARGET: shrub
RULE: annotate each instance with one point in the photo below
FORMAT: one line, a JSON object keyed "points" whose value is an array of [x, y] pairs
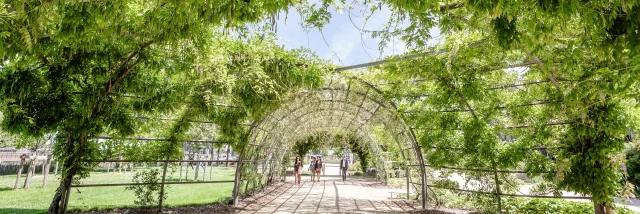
{"points": [[521, 205], [147, 187], [397, 182], [357, 173], [633, 168], [354, 167]]}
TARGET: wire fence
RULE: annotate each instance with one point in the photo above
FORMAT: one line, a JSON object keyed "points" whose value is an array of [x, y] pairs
{"points": [[164, 164], [497, 193]]}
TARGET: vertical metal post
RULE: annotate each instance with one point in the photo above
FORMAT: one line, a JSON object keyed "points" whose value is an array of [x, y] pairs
{"points": [[423, 172], [425, 195], [164, 176], [236, 182], [408, 176], [284, 169]]}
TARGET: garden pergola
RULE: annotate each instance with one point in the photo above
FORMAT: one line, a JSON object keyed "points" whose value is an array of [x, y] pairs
{"points": [[68, 67], [352, 105], [344, 104]]}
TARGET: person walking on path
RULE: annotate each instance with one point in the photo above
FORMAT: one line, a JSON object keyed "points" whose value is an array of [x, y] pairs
{"points": [[318, 168], [312, 168], [344, 165], [297, 170]]}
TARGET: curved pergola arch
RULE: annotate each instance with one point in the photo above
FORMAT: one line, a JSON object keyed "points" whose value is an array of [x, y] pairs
{"points": [[345, 104], [299, 118]]}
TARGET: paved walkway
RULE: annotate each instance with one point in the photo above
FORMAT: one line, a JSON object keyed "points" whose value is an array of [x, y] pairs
{"points": [[330, 195]]}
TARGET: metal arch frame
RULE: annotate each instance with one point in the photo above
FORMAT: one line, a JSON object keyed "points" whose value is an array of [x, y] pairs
{"points": [[239, 166], [333, 100], [348, 102], [324, 101], [354, 129], [412, 139], [316, 102], [353, 116], [299, 123], [370, 143], [345, 101], [395, 136], [399, 119]]}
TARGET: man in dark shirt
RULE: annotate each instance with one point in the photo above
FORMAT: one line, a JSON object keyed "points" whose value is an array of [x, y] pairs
{"points": [[344, 165]]}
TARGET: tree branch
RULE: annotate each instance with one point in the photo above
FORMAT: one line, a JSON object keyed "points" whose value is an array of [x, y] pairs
{"points": [[123, 71], [455, 5], [121, 77], [539, 62]]}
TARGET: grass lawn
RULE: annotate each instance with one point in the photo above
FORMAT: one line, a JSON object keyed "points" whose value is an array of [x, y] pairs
{"points": [[37, 199]]}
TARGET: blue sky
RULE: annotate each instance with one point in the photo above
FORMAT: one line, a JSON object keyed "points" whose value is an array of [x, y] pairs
{"points": [[344, 45]]}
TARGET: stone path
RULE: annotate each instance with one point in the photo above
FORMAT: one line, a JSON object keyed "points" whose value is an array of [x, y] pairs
{"points": [[330, 195]]}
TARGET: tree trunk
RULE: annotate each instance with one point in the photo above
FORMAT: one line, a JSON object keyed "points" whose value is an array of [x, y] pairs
{"points": [[30, 171], [204, 172], [599, 208], [22, 161], [180, 179], [180, 163], [186, 172], [218, 156], [211, 164], [228, 150], [108, 166], [195, 177], [45, 171], [55, 171], [120, 164], [59, 203], [74, 148], [602, 209]]}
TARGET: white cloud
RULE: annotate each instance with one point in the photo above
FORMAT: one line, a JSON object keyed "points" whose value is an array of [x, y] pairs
{"points": [[343, 42]]}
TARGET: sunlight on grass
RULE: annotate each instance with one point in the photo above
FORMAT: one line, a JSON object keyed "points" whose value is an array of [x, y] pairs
{"points": [[37, 200]]}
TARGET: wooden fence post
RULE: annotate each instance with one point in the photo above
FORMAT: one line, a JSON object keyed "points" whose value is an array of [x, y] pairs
{"points": [[164, 176]]}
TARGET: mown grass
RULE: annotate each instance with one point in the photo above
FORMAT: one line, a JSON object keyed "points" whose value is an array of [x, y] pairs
{"points": [[37, 199]]}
